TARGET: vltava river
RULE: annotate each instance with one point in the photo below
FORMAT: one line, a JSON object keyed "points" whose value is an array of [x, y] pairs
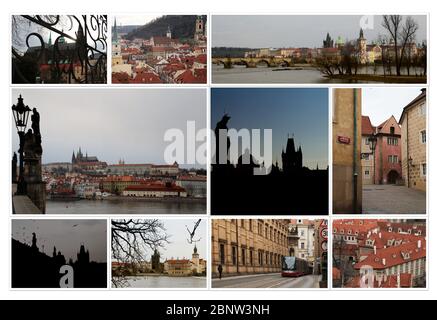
{"points": [[163, 282], [124, 207]]}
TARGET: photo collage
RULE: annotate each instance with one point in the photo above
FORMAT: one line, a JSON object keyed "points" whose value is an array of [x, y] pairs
{"points": [[218, 152]]}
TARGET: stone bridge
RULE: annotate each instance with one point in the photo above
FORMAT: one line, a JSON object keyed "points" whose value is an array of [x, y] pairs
{"points": [[253, 62]]}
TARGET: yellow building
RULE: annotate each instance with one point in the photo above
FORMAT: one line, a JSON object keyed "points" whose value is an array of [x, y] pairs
{"points": [[413, 126], [248, 246], [346, 149]]}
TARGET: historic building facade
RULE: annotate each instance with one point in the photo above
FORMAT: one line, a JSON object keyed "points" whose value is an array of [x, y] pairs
{"points": [[413, 124], [248, 246], [346, 134], [388, 169], [367, 157]]}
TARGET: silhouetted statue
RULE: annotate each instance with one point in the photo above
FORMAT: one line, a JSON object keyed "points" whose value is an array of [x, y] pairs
{"points": [[34, 247], [222, 125], [35, 122], [14, 168]]}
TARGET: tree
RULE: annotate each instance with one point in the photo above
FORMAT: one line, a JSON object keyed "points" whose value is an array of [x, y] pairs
{"points": [[132, 238], [401, 35]]}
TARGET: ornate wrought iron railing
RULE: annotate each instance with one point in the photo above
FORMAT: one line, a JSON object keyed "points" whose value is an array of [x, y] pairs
{"points": [[82, 59]]}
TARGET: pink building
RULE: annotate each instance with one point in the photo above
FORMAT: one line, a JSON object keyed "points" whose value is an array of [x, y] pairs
{"points": [[388, 153]]}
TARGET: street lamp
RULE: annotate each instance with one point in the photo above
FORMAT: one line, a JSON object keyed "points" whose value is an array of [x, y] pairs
{"points": [[21, 116], [372, 144]]}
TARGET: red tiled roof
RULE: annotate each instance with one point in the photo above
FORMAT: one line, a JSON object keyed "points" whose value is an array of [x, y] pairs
{"points": [[366, 126], [146, 77], [155, 187], [192, 178], [393, 256]]}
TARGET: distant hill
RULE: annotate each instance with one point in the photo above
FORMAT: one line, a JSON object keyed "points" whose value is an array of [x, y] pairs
{"points": [[220, 52], [181, 27], [126, 29]]}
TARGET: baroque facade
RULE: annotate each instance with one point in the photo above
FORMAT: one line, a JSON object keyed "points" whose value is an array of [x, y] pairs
{"points": [[413, 124], [249, 246]]}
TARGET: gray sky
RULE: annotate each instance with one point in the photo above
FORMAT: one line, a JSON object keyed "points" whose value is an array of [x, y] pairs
{"points": [[135, 20], [381, 103], [111, 124], [179, 246], [66, 235], [257, 31], [24, 27]]}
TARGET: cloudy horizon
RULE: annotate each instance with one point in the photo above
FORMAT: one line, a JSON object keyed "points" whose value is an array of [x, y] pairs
{"points": [[281, 31], [112, 124]]}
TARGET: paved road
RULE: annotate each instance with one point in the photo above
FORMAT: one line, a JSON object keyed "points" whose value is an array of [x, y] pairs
{"points": [[392, 199], [272, 280]]}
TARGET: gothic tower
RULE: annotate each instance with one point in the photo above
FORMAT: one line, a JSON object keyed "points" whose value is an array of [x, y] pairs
{"points": [[199, 29], [362, 48], [292, 159]]}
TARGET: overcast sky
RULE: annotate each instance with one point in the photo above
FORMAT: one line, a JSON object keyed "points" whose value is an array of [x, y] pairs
{"points": [[21, 28], [257, 31], [135, 20], [66, 235], [111, 124], [381, 103], [178, 237]]}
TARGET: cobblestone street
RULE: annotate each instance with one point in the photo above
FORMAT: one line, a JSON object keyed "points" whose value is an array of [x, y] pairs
{"points": [[393, 199]]}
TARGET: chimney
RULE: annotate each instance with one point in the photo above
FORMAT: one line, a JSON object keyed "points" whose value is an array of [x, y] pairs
{"points": [[380, 235], [383, 261], [419, 244], [399, 280], [374, 249]]}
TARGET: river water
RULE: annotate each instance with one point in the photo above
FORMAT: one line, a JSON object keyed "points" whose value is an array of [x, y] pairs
{"points": [[124, 207], [264, 74], [164, 282]]}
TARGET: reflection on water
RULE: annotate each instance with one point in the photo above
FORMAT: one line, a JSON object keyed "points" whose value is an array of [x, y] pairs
{"points": [[264, 74], [164, 282], [124, 207]]}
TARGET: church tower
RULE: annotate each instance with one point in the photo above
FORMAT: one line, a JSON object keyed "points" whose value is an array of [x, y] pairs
{"points": [[116, 49], [195, 260], [292, 159], [199, 29], [168, 32], [362, 48]]}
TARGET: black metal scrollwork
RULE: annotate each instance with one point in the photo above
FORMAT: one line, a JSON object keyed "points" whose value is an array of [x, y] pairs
{"points": [[82, 59]]}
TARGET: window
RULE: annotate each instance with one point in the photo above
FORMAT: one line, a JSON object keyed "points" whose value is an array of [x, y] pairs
{"points": [[423, 136], [302, 245], [367, 173], [234, 255], [392, 130], [365, 156], [243, 256], [392, 141], [422, 109], [250, 224], [222, 254], [302, 255], [302, 233], [423, 169], [251, 257], [393, 159]]}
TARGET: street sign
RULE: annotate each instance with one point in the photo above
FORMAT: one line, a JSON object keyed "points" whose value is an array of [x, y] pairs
{"points": [[344, 140], [324, 233], [324, 246]]}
